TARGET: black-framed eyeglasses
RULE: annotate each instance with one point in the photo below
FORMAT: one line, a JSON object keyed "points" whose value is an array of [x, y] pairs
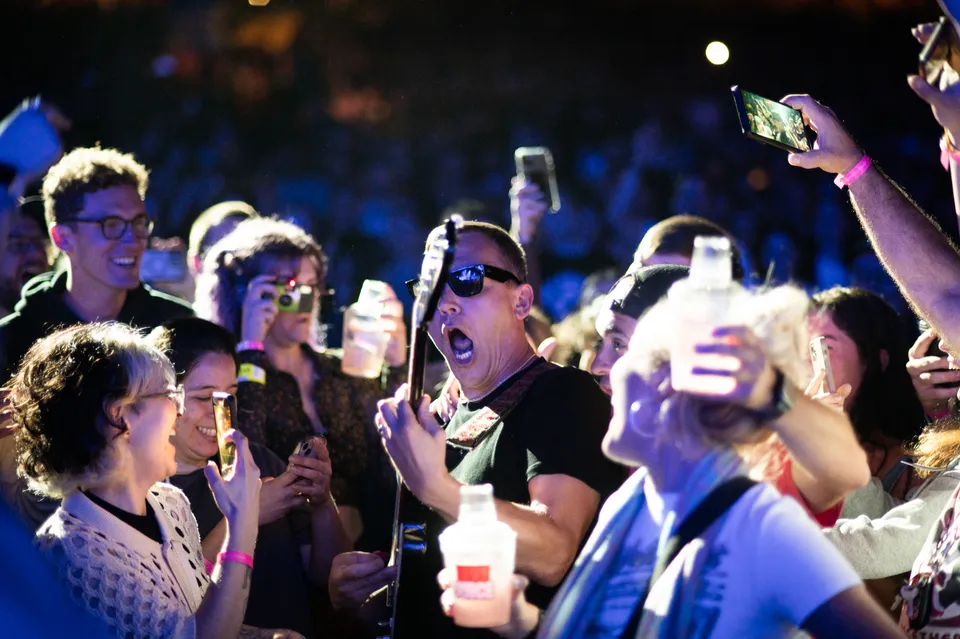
{"points": [[177, 395], [467, 281], [114, 227]]}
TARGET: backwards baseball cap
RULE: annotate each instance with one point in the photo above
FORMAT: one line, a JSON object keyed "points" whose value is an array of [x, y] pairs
{"points": [[636, 292]]}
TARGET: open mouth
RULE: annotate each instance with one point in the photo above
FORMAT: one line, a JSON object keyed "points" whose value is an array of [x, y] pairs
{"points": [[209, 433], [461, 346]]}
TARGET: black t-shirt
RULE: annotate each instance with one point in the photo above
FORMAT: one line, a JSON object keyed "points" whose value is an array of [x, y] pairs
{"points": [[147, 524], [43, 309], [556, 429], [279, 590]]}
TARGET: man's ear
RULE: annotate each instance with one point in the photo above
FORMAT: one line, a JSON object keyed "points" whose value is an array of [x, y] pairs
{"points": [[524, 301], [62, 237]]}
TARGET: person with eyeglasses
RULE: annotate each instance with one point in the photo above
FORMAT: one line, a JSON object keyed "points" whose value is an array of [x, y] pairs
{"points": [[28, 252], [96, 407], [531, 429], [264, 283], [95, 213]]}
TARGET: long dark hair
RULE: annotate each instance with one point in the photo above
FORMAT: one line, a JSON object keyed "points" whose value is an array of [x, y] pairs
{"points": [[886, 403], [187, 339]]}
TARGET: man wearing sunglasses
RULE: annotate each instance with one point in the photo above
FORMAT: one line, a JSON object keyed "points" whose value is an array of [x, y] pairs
{"points": [[539, 448], [94, 208]]}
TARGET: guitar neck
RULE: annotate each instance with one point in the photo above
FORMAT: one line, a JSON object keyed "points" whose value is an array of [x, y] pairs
{"points": [[417, 367]]}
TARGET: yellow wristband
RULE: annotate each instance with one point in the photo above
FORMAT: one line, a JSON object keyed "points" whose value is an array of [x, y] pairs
{"points": [[251, 373]]}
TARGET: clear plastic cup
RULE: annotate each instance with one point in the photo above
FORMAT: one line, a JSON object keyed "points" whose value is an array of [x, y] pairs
{"points": [[365, 338], [479, 552]]}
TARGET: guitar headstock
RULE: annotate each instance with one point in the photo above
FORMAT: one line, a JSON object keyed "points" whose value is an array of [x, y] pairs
{"points": [[437, 259]]}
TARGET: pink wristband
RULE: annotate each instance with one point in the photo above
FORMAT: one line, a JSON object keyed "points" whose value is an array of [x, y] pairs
{"points": [[947, 153], [854, 174], [234, 555], [250, 345], [207, 566]]}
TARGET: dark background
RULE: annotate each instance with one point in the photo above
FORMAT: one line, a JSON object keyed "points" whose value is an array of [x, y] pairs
{"points": [[363, 120]]}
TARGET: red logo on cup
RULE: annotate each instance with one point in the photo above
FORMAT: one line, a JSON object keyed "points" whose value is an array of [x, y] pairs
{"points": [[473, 573], [473, 582]]}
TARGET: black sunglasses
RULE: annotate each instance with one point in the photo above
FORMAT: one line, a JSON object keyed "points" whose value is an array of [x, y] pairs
{"points": [[113, 227], [467, 281]]}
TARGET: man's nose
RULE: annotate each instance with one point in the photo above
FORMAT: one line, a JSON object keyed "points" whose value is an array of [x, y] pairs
{"points": [[449, 302]]}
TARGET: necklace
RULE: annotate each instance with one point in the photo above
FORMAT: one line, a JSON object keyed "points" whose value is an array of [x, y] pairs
{"points": [[502, 378]]}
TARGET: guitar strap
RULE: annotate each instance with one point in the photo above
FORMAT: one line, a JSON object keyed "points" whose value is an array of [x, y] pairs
{"points": [[475, 429]]}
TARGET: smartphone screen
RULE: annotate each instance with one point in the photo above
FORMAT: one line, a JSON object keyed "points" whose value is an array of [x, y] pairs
{"points": [[820, 356], [536, 165], [159, 265], [771, 122], [224, 414]]}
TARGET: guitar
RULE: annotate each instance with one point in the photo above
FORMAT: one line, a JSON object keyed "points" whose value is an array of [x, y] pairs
{"points": [[409, 528]]}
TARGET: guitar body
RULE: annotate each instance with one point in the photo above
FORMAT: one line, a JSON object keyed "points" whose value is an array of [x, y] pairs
{"points": [[410, 516]]}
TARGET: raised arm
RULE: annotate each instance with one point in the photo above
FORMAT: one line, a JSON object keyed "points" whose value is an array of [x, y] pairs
{"points": [[919, 257], [221, 612], [828, 462], [527, 208]]}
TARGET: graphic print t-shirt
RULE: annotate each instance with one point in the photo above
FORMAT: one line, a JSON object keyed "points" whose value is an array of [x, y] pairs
{"points": [[740, 594], [931, 600]]}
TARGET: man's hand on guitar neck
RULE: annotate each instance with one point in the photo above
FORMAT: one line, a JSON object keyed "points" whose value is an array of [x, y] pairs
{"points": [[355, 576], [417, 446]]}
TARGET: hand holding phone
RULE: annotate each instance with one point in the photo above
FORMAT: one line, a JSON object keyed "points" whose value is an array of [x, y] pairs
{"points": [[313, 469], [771, 122], [224, 416], [820, 356], [929, 369], [535, 164]]}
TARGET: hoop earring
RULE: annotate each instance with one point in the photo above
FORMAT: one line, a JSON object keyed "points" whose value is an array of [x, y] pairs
{"points": [[640, 422]]}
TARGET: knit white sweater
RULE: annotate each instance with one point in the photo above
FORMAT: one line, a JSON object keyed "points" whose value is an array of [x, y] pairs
{"points": [[138, 587]]}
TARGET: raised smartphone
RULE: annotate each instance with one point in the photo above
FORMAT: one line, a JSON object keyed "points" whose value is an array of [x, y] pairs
{"points": [[536, 165], [820, 355], [771, 122], [225, 416]]}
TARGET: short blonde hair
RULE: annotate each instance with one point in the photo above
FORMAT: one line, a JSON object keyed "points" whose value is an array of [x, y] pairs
{"points": [[777, 317], [61, 398]]}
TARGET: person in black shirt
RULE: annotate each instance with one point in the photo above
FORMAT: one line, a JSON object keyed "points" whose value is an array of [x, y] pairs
{"points": [[94, 205], [543, 459], [296, 540]]}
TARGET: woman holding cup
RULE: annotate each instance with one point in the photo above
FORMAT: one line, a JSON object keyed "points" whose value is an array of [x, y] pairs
{"points": [[263, 282]]}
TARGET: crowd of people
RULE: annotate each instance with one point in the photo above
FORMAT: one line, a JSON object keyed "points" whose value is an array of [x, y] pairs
{"points": [[790, 497]]}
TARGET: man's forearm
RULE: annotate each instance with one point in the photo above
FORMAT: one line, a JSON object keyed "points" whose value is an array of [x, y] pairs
{"points": [[544, 550], [921, 259], [827, 460]]}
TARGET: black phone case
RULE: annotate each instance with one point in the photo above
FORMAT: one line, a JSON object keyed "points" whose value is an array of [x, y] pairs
{"points": [[745, 127]]}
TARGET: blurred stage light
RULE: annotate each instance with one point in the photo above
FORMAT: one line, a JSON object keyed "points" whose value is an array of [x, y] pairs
{"points": [[717, 53], [258, 3]]}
